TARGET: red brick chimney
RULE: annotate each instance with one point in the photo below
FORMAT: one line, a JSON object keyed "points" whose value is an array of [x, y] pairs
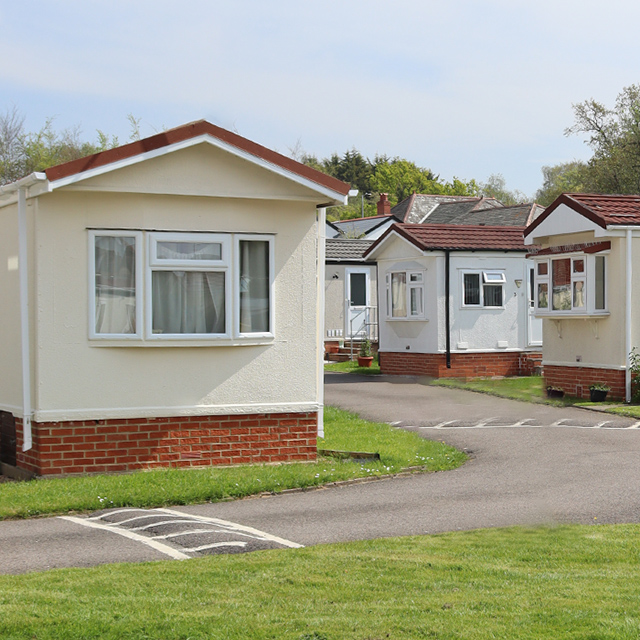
{"points": [[384, 206]]}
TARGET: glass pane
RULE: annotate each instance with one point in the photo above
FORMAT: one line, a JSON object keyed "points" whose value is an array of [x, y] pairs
{"points": [[399, 295], [189, 250], [578, 265], [416, 301], [188, 302], [115, 264], [493, 276], [543, 268], [578, 294], [415, 277], [600, 286], [358, 289], [254, 286], [561, 284], [531, 288], [492, 295], [543, 295], [472, 288]]}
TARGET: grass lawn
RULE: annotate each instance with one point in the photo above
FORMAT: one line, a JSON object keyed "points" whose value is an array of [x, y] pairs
{"points": [[351, 366], [578, 582], [343, 431]]}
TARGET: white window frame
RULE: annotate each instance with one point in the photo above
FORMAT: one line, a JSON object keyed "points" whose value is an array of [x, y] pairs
{"points": [[210, 266], [147, 261], [139, 276], [409, 286], [236, 286], [487, 277], [588, 276]]}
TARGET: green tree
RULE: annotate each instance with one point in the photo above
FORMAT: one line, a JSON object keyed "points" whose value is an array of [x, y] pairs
{"points": [[496, 187], [614, 136], [566, 177]]}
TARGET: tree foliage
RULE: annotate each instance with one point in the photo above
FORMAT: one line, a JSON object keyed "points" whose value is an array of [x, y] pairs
{"points": [[566, 177], [496, 187]]}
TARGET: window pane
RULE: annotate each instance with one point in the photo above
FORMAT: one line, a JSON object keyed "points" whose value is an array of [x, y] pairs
{"points": [[189, 250], [416, 301], [115, 264], [188, 302], [493, 276], [399, 295], [472, 288], [358, 289], [254, 286], [543, 295], [492, 295], [415, 277], [578, 294], [543, 268], [578, 265], [600, 286], [561, 284]]}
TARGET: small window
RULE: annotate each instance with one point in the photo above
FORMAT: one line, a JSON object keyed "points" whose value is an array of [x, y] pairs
{"points": [[405, 295], [483, 289]]}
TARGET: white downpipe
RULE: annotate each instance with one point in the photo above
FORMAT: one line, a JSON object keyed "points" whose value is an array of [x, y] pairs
{"points": [[322, 236], [627, 328], [23, 266]]}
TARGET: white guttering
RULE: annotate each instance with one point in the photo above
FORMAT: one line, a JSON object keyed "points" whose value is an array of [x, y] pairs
{"points": [[320, 258], [10, 190], [23, 266]]}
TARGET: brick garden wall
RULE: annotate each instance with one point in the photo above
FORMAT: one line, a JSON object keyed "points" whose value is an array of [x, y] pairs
{"points": [[110, 446], [575, 381], [463, 365]]}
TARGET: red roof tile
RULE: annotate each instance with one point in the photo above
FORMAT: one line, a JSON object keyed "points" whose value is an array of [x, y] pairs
{"points": [[603, 210], [459, 237], [186, 132]]}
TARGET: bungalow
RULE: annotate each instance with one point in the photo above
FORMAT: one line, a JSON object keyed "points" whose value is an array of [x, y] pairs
{"points": [[589, 249], [455, 301], [169, 308]]}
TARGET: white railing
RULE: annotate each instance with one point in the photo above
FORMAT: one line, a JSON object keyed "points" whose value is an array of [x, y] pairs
{"points": [[367, 322]]}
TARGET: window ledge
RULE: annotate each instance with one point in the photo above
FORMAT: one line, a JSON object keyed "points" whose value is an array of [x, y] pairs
{"points": [[568, 315], [186, 342], [407, 319]]}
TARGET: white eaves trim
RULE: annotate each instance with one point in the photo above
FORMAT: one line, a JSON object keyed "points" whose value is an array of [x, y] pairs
{"points": [[185, 144], [390, 235]]}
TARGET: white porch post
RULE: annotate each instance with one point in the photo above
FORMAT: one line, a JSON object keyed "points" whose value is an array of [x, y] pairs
{"points": [[23, 267], [321, 218]]}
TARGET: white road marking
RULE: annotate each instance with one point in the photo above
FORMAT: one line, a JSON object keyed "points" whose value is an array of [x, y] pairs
{"points": [[439, 425], [158, 546], [238, 527], [114, 513], [215, 545], [559, 422], [188, 533], [634, 426]]}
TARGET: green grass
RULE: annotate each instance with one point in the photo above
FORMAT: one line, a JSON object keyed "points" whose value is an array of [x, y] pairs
{"points": [[351, 366], [569, 582], [345, 431]]}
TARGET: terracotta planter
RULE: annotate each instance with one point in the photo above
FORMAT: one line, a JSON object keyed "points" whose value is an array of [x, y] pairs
{"points": [[365, 361], [598, 395]]}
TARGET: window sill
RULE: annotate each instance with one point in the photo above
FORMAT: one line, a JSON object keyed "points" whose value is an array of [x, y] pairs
{"points": [[182, 342], [407, 319], [559, 315]]}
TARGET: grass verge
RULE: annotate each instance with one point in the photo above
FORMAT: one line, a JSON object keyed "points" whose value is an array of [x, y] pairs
{"points": [[531, 584], [351, 366], [345, 431]]}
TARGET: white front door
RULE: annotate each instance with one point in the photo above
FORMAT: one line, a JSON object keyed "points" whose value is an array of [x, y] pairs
{"points": [[534, 325], [357, 301]]}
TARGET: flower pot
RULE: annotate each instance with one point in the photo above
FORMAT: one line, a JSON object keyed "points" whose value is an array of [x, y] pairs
{"points": [[598, 395], [365, 361], [555, 393]]}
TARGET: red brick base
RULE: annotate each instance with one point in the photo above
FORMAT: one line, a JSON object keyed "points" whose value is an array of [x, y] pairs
{"points": [[463, 365], [110, 446], [575, 381]]}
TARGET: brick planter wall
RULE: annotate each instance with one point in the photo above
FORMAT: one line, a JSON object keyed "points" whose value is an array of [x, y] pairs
{"points": [[110, 446], [463, 365], [575, 381]]}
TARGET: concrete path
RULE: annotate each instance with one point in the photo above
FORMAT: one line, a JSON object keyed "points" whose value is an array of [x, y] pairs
{"points": [[529, 464]]}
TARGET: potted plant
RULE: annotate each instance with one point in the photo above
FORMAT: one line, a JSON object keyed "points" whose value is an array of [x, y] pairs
{"points": [[555, 392], [598, 391], [365, 357]]}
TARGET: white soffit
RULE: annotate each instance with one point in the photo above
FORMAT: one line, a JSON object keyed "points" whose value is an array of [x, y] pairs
{"points": [[564, 220], [185, 144]]}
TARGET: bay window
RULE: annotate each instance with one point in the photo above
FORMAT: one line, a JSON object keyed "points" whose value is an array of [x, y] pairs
{"points": [[405, 295], [180, 285], [571, 285]]}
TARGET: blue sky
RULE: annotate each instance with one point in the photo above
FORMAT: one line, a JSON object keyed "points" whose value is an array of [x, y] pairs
{"points": [[463, 87]]}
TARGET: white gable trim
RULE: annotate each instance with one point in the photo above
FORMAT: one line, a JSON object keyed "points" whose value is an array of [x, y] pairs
{"points": [[564, 220], [392, 235], [185, 144]]}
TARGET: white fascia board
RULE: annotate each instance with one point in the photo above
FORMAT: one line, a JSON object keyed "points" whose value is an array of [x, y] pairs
{"points": [[392, 236], [564, 221], [185, 144], [34, 184]]}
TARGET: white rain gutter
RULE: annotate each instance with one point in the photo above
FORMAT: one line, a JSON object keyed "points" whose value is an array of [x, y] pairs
{"points": [[627, 328], [321, 247], [23, 266]]}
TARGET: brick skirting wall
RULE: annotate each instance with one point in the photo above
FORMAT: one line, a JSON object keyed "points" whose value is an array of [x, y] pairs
{"points": [[110, 446], [575, 381], [463, 365]]}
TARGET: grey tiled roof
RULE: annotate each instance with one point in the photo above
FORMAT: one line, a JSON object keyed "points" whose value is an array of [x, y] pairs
{"points": [[518, 215], [414, 208], [358, 227], [339, 249]]}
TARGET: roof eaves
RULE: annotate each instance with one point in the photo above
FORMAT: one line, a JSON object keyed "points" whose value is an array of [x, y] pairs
{"points": [[578, 207]]}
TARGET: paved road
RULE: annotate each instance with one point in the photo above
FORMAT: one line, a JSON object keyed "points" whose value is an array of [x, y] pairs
{"points": [[529, 464]]}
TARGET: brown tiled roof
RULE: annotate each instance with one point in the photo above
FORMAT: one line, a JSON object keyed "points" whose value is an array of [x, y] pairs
{"points": [[186, 132], [603, 210], [459, 237]]}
